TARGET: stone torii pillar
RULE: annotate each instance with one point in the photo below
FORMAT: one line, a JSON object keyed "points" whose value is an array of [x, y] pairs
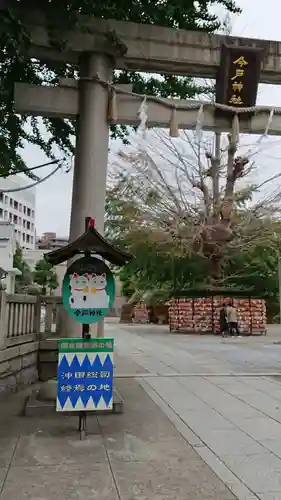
{"points": [[90, 167], [92, 142]]}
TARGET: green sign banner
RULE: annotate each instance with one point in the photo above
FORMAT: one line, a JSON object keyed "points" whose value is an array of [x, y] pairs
{"points": [[88, 345], [88, 290]]}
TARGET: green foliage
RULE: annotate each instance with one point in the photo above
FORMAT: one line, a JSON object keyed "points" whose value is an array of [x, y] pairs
{"points": [[258, 268], [17, 66], [156, 274], [45, 276], [25, 279]]}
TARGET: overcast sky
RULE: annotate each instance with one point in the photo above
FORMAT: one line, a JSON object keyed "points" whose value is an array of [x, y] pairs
{"points": [[258, 20]]}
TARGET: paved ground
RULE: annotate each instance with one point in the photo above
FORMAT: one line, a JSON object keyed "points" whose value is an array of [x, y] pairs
{"points": [[160, 352], [136, 456], [202, 421], [223, 396]]}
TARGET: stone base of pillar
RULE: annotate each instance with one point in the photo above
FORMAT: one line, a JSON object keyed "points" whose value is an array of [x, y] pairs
{"points": [[48, 391], [48, 359]]}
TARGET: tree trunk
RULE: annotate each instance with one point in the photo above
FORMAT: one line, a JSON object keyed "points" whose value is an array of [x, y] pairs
{"points": [[216, 269], [227, 204], [215, 178]]}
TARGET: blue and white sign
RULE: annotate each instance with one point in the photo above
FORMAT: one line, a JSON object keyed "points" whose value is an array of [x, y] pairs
{"points": [[85, 375]]}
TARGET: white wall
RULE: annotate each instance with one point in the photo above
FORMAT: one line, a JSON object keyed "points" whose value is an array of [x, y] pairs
{"points": [[7, 250], [7, 245]]}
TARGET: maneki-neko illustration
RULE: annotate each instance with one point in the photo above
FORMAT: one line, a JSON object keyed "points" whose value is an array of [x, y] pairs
{"points": [[88, 291]]}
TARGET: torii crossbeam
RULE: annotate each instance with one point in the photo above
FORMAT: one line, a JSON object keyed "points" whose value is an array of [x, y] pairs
{"points": [[150, 48], [63, 101]]}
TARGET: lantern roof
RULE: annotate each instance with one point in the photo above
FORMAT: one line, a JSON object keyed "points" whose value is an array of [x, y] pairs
{"points": [[90, 242]]}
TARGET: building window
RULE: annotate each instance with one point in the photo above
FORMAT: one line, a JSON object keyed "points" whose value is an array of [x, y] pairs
{"points": [[15, 219], [16, 205], [24, 223], [19, 221], [23, 236], [32, 214], [32, 226], [28, 225], [1, 197], [31, 240], [6, 200], [1, 212], [24, 209], [27, 238], [10, 217], [28, 212], [5, 215], [11, 202], [20, 207]]}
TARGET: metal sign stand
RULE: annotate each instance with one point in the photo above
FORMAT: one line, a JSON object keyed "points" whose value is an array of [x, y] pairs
{"points": [[83, 414], [85, 335], [82, 425]]}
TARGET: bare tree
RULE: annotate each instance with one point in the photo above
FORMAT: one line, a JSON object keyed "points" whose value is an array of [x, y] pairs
{"points": [[194, 195]]}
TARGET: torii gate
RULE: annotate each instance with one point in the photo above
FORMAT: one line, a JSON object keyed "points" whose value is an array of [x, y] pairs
{"points": [[96, 103]]}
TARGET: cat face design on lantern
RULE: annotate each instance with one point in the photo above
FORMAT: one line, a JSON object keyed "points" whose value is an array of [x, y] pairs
{"points": [[97, 297], [88, 291], [79, 287]]}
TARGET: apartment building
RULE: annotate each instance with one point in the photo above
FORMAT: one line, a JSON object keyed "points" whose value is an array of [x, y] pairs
{"points": [[50, 241], [18, 208]]}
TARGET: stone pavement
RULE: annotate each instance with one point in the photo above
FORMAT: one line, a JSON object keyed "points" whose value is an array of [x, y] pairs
{"points": [[202, 421], [223, 396], [158, 351], [139, 455]]}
